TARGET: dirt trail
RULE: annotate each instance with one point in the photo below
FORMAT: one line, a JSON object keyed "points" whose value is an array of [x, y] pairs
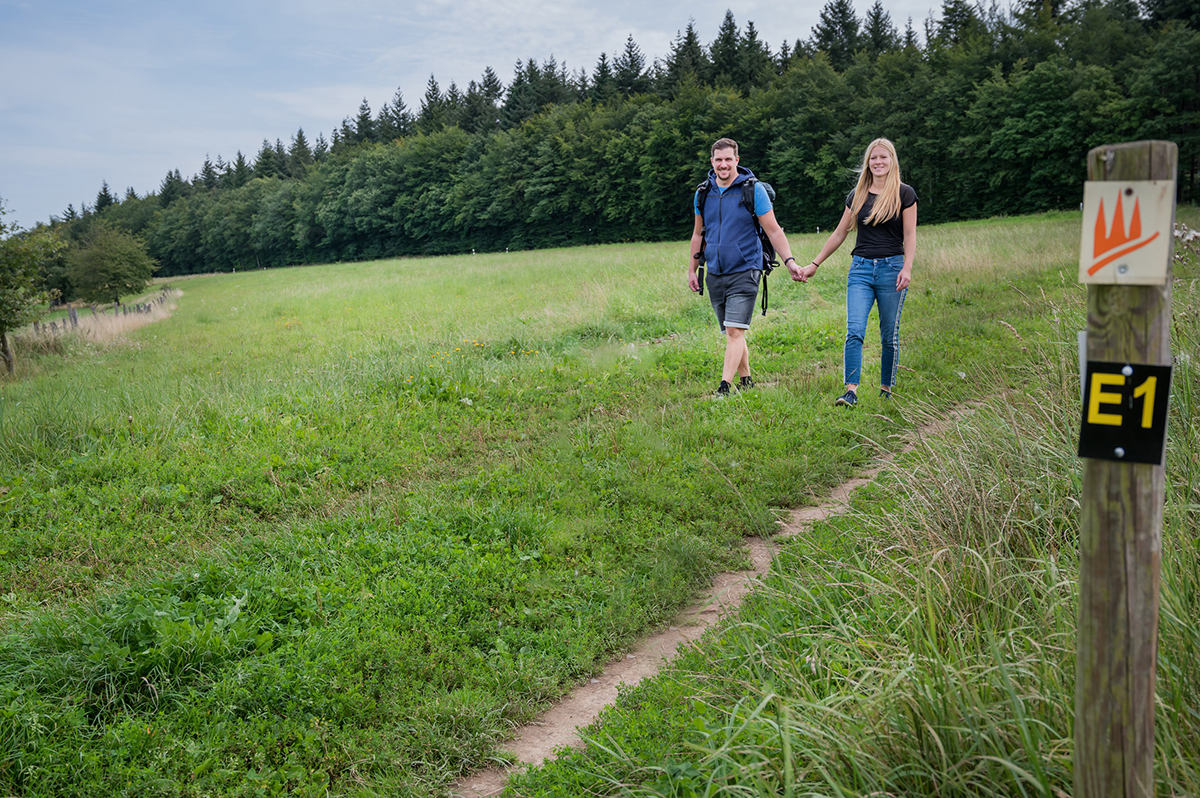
{"points": [[557, 727]]}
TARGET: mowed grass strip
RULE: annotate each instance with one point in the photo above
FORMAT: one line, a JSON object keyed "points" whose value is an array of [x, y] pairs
{"points": [[338, 528]]}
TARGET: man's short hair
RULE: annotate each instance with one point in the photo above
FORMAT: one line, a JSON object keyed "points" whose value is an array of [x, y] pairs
{"points": [[724, 144]]}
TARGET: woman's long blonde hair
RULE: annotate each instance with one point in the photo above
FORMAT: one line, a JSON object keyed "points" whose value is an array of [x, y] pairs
{"points": [[887, 203]]}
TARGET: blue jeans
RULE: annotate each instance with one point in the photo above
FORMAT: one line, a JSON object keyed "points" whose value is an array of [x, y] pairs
{"points": [[871, 281]]}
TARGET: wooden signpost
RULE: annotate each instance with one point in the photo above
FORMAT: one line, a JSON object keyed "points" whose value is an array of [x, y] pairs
{"points": [[1126, 262]]}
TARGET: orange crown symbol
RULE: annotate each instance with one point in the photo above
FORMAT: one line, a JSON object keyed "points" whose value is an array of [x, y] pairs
{"points": [[1109, 239], [1116, 236]]}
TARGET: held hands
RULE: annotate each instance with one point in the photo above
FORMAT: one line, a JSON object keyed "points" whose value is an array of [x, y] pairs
{"points": [[801, 275]]}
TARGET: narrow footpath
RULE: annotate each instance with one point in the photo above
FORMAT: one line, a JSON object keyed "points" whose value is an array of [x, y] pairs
{"points": [[558, 726]]}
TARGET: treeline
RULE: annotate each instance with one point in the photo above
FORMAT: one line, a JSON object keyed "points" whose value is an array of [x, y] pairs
{"points": [[992, 113]]}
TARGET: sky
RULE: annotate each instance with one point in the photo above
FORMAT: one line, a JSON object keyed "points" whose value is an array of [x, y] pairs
{"points": [[125, 91]]}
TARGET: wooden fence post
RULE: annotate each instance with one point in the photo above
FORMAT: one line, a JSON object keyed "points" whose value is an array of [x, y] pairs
{"points": [[1120, 535]]}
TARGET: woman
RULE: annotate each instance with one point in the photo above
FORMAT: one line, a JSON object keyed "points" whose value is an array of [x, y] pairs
{"points": [[884, 210]]}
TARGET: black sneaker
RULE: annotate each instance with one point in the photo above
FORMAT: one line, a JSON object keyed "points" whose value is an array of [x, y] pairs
{"points": [[745, 383], [885, 394], [849, 399], [723, 390]]}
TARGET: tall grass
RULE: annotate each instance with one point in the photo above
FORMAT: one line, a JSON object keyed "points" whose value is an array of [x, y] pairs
{"points": [[923, 644]]}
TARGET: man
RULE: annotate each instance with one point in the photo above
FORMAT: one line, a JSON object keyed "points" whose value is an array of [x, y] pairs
{"points": [[724, 238]]}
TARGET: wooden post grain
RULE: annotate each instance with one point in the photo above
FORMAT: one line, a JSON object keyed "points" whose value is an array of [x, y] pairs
{"points": [[1120, 536]]}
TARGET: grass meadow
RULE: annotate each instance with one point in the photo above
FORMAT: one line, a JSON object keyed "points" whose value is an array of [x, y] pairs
{"points": [[335, 530]]}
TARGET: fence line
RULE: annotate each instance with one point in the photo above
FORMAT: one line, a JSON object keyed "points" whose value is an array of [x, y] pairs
{"points": [[71, 323]]}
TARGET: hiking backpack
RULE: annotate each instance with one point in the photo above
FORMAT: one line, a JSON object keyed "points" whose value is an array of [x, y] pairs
{"points": [[770, 261]]}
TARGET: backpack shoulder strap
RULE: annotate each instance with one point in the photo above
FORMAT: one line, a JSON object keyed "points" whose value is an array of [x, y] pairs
{"points": [[748, 196], [701, 194], [769, 259]]}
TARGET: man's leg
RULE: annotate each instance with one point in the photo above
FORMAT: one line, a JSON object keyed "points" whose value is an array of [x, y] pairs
{"points": [[739, 310], [737, 355]]}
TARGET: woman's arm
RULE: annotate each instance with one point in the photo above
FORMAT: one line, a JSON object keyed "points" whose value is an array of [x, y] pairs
{"points": [[909, 217], [831, 245]]}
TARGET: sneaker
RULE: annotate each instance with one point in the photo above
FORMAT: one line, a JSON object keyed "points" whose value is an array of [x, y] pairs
{"points": [[745, 384], [723, 390], [849, 399], [885, 394]]}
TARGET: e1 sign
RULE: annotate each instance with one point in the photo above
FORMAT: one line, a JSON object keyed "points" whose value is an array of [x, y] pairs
{"points": [[1125, 412]]}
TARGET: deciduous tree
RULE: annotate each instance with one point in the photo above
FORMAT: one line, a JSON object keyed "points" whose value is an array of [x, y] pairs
{"points": [[22, 298], [110, 264]]}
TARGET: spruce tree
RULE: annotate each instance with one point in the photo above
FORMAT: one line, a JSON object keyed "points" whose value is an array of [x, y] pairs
{"points": [[344, 136], [756, 61], [785, 58], [958, 23], [172, 188], [432, 115], [581, 84], [208, 177], [300, 155], [604, 86], [320, 148], [726, 53], [104, 198], [453, 105], [264, 162], [241, 170], [529, 92], [282, 167], [554, 84], [364, 125], [490, 86], [836, 34], [629, 70], [687, 58], [879, 34], [395, 121], [479, 114]]}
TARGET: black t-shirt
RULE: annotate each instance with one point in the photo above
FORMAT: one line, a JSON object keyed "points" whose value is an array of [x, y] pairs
{"points": [[885, 239]]}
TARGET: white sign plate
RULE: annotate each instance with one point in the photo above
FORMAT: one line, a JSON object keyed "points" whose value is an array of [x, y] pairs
{"points": [[1127, 229]]}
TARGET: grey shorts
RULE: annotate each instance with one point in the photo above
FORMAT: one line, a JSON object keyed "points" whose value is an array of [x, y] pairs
{"points": [[733, 297]]}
